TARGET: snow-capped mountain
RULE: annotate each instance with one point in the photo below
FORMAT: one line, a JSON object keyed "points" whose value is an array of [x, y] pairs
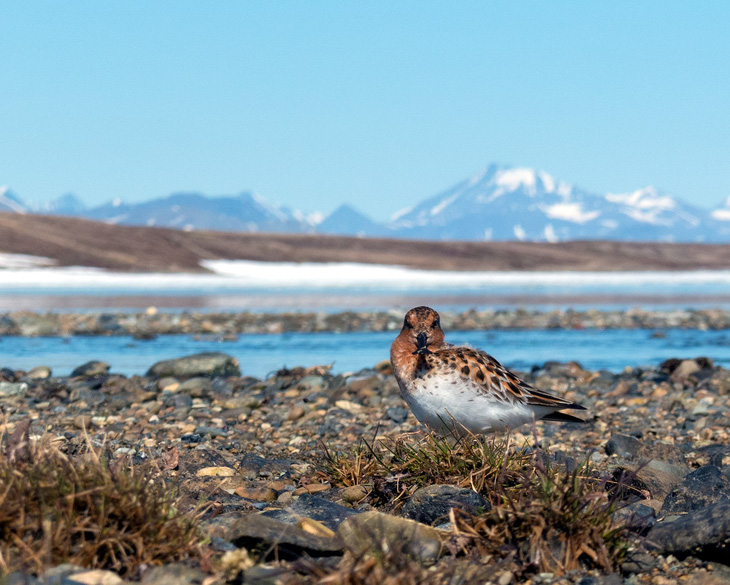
{"points": [[346, 220], [504, 203], [499, 203], [244, 212]]}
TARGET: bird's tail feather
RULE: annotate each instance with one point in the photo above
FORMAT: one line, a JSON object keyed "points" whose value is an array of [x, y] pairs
{"points": [[562, 417]]}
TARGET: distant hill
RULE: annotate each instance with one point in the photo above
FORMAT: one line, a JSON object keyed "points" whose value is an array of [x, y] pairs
{"points": [[80, 242], [498, 204]]}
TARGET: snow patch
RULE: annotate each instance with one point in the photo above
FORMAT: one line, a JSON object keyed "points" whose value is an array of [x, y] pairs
{"points": [[400, 213], [19, 261], [565, 190], [513, 179], [548, 182], [570, 212], [550, 234], [230, 275], [439, 207], [646, 198]]}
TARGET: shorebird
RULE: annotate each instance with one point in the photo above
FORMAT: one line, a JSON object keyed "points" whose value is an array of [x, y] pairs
{"points": [[453, 389]]}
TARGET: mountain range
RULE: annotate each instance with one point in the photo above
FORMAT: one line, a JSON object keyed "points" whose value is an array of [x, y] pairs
{"points": [[499, 203]]}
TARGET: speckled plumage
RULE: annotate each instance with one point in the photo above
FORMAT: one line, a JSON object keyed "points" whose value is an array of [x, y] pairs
{"points": [[452, 389]]}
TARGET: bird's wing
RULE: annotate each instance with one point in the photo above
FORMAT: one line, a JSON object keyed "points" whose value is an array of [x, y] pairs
{"points": [[484, 371]]}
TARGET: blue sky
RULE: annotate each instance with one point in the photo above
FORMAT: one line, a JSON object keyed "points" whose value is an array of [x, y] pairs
{"points": [[377, 104]]}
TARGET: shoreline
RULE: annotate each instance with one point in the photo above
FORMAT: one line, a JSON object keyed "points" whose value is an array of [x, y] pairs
{"points": [[151, 323]]}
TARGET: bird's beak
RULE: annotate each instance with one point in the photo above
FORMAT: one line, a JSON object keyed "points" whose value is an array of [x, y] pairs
{"points": [[421, 344]]}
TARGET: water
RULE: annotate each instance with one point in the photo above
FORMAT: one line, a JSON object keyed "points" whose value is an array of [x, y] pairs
{"points": [[261, 354]]}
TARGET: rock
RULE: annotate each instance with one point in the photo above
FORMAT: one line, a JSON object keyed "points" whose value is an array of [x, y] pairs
{"points": [[296, 412], [659, 451], [431, 504], [354, 494], [216, 471], [91, 369], [378, 533], [19, 578], [8, 389], [256, 491], [315, 508], [197, 459], [59, 574], [254, 466], [623, 446], [685, 369], [173, 574], [704, 486], [654, 477], [289, 540], [312, 488], [638, 562], [397, 414], [39, 373], [210, 364], [637, 516], [196, 387], [704, 533]]}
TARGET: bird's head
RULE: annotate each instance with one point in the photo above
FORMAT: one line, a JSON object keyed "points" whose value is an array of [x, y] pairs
{"points": [[422, 329]]}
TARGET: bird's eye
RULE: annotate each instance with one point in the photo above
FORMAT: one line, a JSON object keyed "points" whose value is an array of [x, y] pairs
{"points": [[435, 324], [406, 324]]}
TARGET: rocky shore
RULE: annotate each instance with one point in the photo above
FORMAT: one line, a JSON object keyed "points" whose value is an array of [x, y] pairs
{"points": [[272, 473], [154, 322]]}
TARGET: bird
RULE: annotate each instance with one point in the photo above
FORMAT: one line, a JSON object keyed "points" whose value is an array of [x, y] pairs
{"points": [[459, 390]]}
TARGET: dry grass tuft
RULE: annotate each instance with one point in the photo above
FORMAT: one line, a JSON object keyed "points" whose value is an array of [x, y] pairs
{"points": [[394, 467], [82, 510], [544, 517]]}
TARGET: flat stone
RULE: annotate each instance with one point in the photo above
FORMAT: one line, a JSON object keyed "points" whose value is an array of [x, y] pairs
{"points": [[256, 491], [289, 539], [704, 486], [431, 504], [216, 471], [210, 364], [95, 577], [377, 533], [308, 506]]}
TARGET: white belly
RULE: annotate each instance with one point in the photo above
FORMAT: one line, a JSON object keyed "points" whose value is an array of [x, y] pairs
{"points": [[446, 407]]}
